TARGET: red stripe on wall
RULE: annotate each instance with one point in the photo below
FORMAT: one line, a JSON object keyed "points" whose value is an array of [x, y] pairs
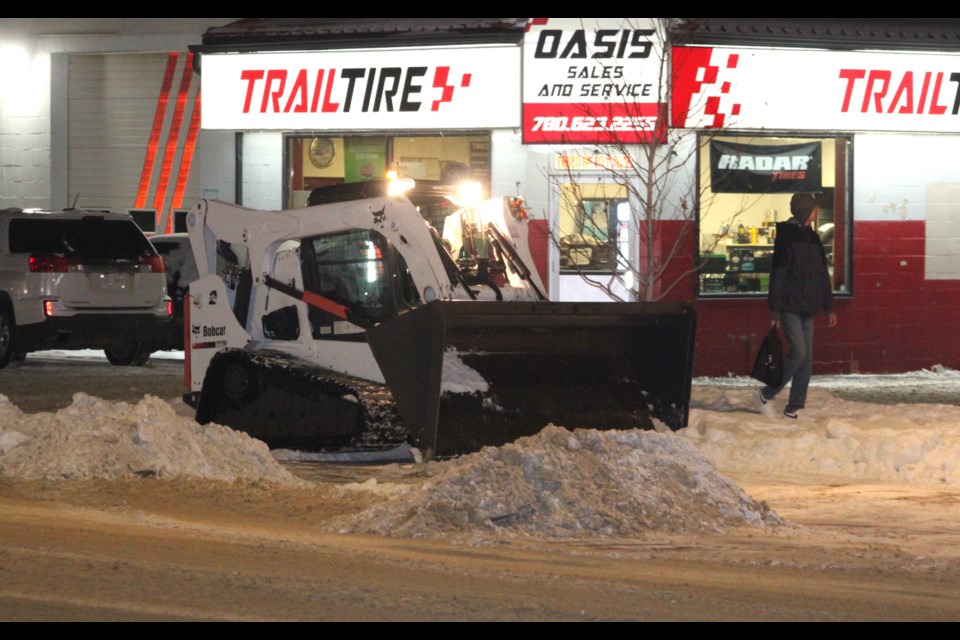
{"points": [[173, 137], [186, 160], [154, 143]]}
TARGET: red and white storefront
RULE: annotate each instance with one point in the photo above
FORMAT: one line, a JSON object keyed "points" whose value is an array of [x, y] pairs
{"points": [[884, 125], [893, 119]]}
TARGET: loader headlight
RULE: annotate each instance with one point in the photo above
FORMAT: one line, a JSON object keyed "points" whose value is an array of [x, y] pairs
{"points": [[429, 294], [469, 194], [400, 186]]}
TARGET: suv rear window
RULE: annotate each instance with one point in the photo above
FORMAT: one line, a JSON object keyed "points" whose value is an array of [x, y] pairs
{"points": [[88, 239]]}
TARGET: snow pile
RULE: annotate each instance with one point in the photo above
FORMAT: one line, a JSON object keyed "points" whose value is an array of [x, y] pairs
{"points": [[458, 377], [564, 484], [834, 440], [93, 438]]}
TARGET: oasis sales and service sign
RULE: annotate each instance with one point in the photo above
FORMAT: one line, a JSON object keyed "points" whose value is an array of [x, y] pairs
{"points": [[737, 88], [442, 88], [592, 81]]}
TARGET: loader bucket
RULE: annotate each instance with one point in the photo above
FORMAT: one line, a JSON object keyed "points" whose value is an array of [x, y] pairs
{"points": [[468, 374]]}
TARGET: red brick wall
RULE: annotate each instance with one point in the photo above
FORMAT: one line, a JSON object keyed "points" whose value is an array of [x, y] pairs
{"points": [[895, 321]]}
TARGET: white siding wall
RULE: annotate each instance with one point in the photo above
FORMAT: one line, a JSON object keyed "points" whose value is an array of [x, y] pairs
{"points": [[913, 178], [512, 163], [24, 124], [263, 170], [30, 141]]}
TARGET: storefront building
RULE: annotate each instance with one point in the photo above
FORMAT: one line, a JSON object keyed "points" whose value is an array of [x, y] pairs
{"points": [[568, 113], [341, 100], [765, 114], [317, 102], [864, 114]]}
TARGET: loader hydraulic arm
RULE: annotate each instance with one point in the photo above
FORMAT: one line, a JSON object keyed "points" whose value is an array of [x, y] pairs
{"points": [[503, 246], [450, 265], [320, 302]]}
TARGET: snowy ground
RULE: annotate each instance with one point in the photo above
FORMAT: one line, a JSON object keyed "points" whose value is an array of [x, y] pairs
{"points": [[125, 509], [938, 385], [833, 440], [556, 484]]}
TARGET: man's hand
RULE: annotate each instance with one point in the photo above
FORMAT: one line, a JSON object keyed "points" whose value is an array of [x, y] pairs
{"points": [[833, 319]]}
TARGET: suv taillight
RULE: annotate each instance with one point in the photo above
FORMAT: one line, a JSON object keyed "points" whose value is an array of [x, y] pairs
{"points": [[52, 264], [154, 264]]}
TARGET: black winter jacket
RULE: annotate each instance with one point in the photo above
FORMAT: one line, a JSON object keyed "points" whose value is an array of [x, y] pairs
{"points": [[799, 280]]}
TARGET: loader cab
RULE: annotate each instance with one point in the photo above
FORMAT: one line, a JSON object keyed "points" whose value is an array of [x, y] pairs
{"points": [[360, 270]]}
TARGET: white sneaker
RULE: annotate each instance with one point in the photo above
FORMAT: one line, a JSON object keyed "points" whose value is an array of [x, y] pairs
{"points": [[765, 406]]}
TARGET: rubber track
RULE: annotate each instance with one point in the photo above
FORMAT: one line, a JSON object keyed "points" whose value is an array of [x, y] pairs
{"points": [[383, 427]]}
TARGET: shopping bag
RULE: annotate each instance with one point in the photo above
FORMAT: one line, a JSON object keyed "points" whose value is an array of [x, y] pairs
{"points": [[768, 367]]}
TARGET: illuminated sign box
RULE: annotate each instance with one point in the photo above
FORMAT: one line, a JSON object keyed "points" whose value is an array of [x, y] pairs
{"points": [[440, 88], [593, 81], [574, 162], [794, 89]]}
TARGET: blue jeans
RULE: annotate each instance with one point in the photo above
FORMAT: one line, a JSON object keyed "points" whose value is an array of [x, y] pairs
{"points": [[798, 363]]}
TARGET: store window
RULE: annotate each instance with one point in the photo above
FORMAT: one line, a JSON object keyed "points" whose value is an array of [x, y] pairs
{"points": [[746, 183], [594, 228], [321, 160]]}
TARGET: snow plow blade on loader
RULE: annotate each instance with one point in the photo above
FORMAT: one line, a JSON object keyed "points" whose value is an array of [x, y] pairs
{"points": [[465, 375]]}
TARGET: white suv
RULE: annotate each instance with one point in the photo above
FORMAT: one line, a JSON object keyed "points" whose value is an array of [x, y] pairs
{"points": [[80, 280]]}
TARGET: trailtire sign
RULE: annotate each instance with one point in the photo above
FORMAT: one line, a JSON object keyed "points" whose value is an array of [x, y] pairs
{"points": [[813, 90], [593, 81], [441, 88]]}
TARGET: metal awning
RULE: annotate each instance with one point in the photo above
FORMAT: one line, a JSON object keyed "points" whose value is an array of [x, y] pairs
{"points": [[289, 34], [310, 34], [916, 34]]}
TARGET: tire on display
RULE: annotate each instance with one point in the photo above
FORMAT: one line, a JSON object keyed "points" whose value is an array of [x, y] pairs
{"points": [[7, 334], [128, 354]]}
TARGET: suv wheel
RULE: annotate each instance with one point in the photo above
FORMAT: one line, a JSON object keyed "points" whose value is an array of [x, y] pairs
{"points": [[6, 335], [128, 354]]}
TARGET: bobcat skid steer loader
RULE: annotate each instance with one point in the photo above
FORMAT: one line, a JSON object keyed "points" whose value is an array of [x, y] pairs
{"points": [[353, 323]]}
